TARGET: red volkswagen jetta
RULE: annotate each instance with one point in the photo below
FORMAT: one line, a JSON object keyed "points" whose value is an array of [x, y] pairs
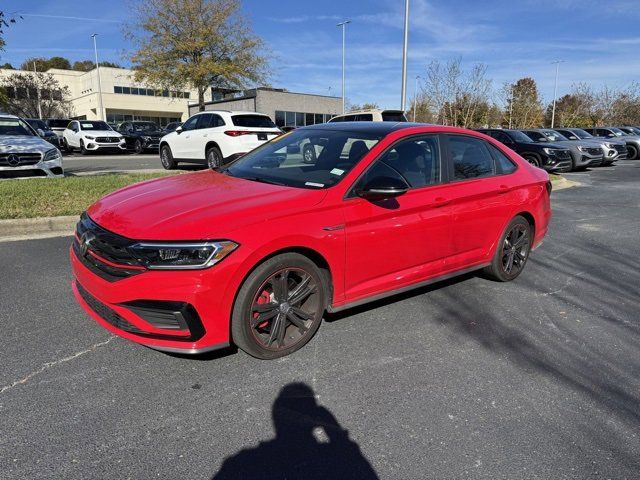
{"points": [[255, 252]]}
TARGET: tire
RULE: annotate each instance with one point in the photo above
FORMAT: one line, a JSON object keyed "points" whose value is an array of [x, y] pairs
{"points": [[214, 158], [632, 152], [65, 146], [166, 158], [279, 307], [506, 254], [83, 151], [309, 154], [533, 159], [137, 147]]}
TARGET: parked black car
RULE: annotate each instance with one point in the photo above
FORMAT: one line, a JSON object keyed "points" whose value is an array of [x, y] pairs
{"points": [[584, 153], [549, 157], [140, 136], [171, 127], [58, 126], [43, 130], [632, 141]]}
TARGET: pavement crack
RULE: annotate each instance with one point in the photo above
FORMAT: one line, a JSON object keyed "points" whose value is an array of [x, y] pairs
{"points": [[49, 365]]}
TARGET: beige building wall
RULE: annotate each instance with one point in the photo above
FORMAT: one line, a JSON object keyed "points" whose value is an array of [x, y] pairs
{"points": [[85, 99]]}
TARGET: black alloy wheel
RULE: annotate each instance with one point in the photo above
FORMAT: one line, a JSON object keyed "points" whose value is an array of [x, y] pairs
{"points": [[533, 160], [512, 251], [214, 158], [166, 158], [309, 154], [138, 146], [83, 151], [279, 307]]}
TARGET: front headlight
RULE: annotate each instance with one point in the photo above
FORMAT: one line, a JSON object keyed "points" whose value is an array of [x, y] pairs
{"points": [[181, 255], [609, 145], [89, 137], [549, 151], [51, 155], [581, 148], [146, 139]]}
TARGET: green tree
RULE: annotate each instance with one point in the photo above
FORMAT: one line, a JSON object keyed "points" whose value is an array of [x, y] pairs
{"points": [[88, 65], [26, 94], [523, 105], [199, 43], [7, 66], [44, 64]]}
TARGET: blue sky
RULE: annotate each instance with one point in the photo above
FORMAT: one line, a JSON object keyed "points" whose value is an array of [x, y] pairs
{"points": [[599, 40]]}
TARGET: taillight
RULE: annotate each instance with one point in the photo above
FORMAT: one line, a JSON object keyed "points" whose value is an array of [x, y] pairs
{"points": [[237, 133], [549, 187]]}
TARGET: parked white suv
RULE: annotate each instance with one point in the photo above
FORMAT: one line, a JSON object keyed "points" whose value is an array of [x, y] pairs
{"points": [[91, 136], [24, 153], [216, 137], [373, 115]]}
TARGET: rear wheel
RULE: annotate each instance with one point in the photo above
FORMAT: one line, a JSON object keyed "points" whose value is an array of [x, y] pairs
{"points": [[512, 251], [166, 158], [214, 158], [279, 306]]}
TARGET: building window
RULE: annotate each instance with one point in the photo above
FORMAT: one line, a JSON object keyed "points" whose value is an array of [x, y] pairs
{"points": [[300, 119], [117, 89], [149, 92]]}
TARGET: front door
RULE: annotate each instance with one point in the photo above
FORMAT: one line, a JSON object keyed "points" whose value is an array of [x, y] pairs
{"points": [[399, 241]]}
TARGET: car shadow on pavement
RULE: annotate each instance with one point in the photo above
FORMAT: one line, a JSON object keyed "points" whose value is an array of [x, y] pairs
{"points": [[309, 444]]}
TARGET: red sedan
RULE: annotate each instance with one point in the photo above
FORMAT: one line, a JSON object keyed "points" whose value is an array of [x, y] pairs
{"points": [[255, 252]]}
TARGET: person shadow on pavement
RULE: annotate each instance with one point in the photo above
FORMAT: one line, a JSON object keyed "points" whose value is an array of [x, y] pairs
{"points": [[309, 444]]}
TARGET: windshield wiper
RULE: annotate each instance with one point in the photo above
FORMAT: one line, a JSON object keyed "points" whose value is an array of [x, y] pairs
{"points": [[264, 180]]}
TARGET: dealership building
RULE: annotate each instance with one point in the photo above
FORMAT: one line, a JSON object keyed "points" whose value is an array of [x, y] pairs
{"points": [[285, 108], [125, 99]]}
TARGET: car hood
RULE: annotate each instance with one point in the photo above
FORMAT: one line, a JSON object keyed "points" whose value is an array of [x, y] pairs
{"points": [[197, 206], [101, 133], [23, 143]]}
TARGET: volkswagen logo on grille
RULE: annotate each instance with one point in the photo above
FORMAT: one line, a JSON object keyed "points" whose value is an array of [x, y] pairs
{"points": [[13, 160], [85, 240]]}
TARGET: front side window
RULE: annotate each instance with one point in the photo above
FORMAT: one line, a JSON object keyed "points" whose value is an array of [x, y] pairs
{"points": [[568, 134], [191, 123], [470, 157], [204, 121], [304, 158], [535, 136], [415, 160]]}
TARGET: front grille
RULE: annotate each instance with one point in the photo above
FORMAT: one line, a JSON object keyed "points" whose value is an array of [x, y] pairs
{"points": [[107, 314], [92, 238], [19, 159], [620, 148], [563, 154], [107, 140], [594, 150]]}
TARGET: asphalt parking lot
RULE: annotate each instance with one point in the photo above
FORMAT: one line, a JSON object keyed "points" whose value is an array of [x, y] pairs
{"points": [[537, 378], [76, 163]]}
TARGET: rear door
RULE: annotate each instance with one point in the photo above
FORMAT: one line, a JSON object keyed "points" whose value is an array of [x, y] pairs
{"points": [[399, 241], [482, 198]]}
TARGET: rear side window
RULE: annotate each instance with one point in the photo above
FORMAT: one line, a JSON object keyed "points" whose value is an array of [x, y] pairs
{"points": [[254, 121], [393, 117], [364, 117], [503, 164], [470, 157]]}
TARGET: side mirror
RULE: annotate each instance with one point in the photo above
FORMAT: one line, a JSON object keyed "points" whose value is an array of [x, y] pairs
{"points": [[40, 132], [380, 188], [178, 130]]}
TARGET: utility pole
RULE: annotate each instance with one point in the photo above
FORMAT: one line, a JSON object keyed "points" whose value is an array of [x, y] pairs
{"points": [[511, 106], [35, 77], [555, 92], [415, 98], [404, 56], [95, 50], [344, 37]]}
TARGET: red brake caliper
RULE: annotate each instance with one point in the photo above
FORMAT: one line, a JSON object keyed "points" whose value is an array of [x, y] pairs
{"points": [[265, 297]]}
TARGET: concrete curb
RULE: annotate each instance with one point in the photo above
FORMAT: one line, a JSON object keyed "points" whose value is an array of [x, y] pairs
{"points": [[43, 227]]}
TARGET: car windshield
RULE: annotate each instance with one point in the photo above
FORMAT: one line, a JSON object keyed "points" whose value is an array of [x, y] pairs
{"points": [[578, 132], [518, 136], [255, 121], [14, 126], [554, 136], [94, 125], [304, 158], [145, 127], [35, 123]]}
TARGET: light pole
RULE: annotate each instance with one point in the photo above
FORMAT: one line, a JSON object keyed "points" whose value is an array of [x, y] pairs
{"points": [[344, 37], [555, 92], [415, 98], [403, 93], [511, 106], [95, 50]]}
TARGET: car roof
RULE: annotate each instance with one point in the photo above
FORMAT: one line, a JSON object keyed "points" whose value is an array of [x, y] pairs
{"points": [[8, 115], [233, 112], [379, 128]]}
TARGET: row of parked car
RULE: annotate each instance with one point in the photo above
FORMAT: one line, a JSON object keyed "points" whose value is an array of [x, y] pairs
{"points": [[88, 136]]}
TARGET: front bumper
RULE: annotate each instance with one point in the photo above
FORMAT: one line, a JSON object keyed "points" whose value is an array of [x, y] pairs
{"points": [[51, 169], [93, 146], [115, 306]]}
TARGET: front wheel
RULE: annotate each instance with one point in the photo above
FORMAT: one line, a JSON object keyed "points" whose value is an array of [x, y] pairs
{"points": [[83, 151], [632, 152], [533, 160], [279, 306], [309, 154], [214, 158], [512, 251], [166, 158], [138, 148]]}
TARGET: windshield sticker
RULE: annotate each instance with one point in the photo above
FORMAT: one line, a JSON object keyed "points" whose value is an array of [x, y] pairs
{"points": [[337, 171], [87, 125], [313, 184], [9, 123]]}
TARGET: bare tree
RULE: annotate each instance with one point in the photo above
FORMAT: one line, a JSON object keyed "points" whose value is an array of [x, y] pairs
{"points": [[456, 96], [28, 94]]}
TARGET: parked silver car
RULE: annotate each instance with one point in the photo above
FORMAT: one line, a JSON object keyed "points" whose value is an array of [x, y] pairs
{"points": [[24, 153], [584, 154], [632, 141], [613, 149]]}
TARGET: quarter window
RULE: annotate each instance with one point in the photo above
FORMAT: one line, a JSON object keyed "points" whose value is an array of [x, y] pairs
{"points": [[503, 164], [470, 157]]}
